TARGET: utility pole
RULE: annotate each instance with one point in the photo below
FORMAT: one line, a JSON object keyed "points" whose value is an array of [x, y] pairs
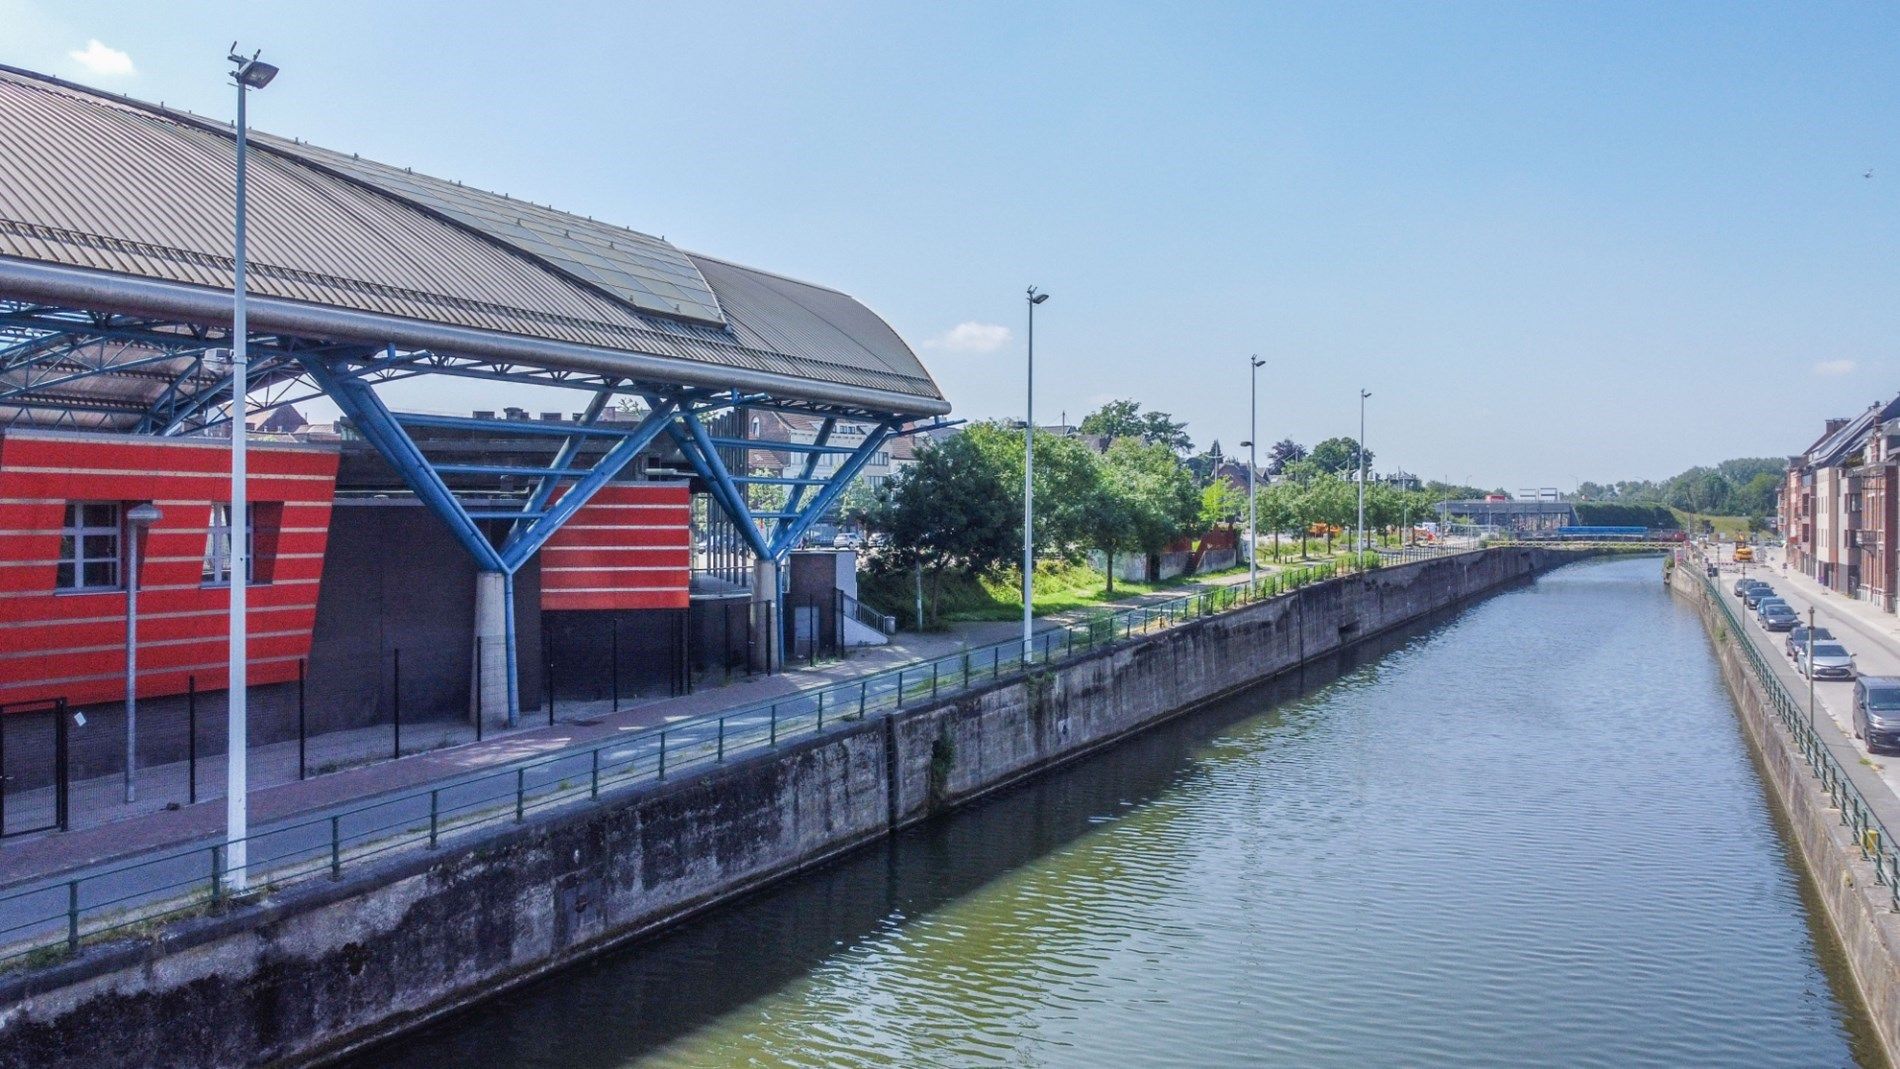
{"points": [[1253, 465], [1029, 483], [251, 73], [1811, 669], [1361, 542]]}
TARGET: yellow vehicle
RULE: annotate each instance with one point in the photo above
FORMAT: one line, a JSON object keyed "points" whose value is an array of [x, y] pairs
{"points": [[1745, 553]]}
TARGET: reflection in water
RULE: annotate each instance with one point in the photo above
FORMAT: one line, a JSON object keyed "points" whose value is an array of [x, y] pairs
{"points": [[1527, 834]]}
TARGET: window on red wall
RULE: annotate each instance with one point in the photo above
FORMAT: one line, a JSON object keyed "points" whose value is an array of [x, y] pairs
{"points": [[264, 518], [89, 546]]}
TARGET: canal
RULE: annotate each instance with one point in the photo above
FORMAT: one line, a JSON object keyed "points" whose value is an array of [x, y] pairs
{"points": [[1528, 833]]}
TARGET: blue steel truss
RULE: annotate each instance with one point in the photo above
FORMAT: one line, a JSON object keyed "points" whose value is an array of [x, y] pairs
{"points": [[78, 368]]}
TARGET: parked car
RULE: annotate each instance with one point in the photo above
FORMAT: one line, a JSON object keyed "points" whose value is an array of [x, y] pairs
{"points": [[1798, 638], [1877, 712], [1742, 585], [1753, 595], [1831, 661], [847, 540], [1777, 617]]}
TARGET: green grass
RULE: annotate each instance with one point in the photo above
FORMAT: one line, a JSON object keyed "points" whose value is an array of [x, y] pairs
{"points": [[1733, 528], [1059, 588]]}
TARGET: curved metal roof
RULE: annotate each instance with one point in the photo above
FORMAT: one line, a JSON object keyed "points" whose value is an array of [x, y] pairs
{"points": [[349, 249]]}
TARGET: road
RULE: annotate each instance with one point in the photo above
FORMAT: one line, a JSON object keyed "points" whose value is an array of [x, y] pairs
{"points": [[1871, 636]]}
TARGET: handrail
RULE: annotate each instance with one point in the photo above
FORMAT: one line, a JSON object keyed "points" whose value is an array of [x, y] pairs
{"points": [[148, 891], [881, 622], [1876, 843]]}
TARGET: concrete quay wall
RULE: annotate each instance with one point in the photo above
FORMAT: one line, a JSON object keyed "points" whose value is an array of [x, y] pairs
{"points": [[1857, 907], [322, 968]]}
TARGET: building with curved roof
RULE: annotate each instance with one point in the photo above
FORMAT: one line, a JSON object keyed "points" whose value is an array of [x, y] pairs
{"points": [[118, 205], [116, 311]]}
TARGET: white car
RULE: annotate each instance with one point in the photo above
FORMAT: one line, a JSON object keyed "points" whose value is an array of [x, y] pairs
{"points": [[1831, 661]]}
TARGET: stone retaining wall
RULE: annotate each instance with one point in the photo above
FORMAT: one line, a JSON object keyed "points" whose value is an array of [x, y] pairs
{"points": [[1858, 908], [326, 967]]}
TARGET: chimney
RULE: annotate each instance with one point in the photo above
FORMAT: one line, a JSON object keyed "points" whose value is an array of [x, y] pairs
{"points": [[1835, 425]]}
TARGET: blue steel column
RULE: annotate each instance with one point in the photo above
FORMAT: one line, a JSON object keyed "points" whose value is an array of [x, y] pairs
{"points": [[526, 540], [699, 451], [846, 472], [369, 414], [797, 493]]}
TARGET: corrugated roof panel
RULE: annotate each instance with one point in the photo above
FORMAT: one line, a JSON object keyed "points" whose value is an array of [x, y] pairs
{"points": [[91, 181], [810, 322], [643, 265]]}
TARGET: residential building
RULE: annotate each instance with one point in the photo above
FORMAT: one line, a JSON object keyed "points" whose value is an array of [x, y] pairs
{"points": [[1837, 506]]}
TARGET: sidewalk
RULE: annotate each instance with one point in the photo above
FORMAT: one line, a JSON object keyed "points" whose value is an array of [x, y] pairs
{"points": [[104, 828]]}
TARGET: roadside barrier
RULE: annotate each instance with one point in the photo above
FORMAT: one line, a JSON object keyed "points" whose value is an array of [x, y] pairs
{"points": [[49, 919]]}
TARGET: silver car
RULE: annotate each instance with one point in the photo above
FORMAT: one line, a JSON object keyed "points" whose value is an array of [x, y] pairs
{"points": [[1831, 661]]}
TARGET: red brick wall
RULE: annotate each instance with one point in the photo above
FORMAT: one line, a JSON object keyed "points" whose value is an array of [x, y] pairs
{"points": [[628, 548], [72, 644]]}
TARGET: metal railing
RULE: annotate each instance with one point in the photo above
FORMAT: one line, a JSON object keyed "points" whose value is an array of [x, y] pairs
{"points": [[881, 622], [1870, 835], [49, 918]]}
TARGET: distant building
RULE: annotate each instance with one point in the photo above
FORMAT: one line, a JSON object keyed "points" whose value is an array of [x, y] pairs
{"points": [[1837, 506], [1495, 510], [768, 425]]}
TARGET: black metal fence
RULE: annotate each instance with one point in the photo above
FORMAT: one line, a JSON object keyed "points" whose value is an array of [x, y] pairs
{"points": [[34, 757]]}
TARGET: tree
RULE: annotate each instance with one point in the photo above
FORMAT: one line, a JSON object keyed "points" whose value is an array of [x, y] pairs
{"points": [[951, 510], [1221, 503], [1284, 452], [1273, 508], [1203, 466], [1065, 478], [1340, 455], [1143, 501], [1125, 419], [1303, 471]]}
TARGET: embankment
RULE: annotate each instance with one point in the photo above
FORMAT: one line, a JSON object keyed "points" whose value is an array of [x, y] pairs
{"points": [[1859, 908], [322, 968]]}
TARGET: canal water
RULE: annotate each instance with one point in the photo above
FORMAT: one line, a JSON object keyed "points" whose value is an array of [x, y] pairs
{"points": [[1528, 833]]}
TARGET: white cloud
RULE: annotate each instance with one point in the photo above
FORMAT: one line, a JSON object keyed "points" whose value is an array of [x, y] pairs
{"points": [[1834, 368], [971, 338], [104, 61]]}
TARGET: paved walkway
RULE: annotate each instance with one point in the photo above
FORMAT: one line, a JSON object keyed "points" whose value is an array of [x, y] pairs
{"points": [[104, 828]]}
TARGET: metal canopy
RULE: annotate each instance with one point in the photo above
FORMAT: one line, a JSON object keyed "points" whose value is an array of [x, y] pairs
{"points": [[122, 207], [115, 312]]}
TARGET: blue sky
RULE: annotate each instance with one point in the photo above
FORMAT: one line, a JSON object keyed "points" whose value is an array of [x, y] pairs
{"points": [[1589, 242]]}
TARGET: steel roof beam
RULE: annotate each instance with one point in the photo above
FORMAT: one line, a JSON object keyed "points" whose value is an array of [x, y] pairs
{"points": [[80, 287]]}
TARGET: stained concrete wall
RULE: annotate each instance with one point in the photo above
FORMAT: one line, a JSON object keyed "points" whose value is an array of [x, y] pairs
{"points": [[327, 966], [1859, 909]]}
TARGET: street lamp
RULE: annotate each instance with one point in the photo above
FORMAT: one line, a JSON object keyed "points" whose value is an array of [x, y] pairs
{"points": [[137, 519], [1029, 474], [248, 74], [1253, 435], [1361, 543], [1810, 667]]}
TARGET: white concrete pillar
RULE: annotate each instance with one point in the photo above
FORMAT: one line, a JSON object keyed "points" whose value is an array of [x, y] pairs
{"points": [[768, 631], [488, 687]]}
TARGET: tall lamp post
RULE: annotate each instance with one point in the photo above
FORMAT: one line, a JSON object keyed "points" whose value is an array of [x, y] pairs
{"points": [[137, 519], [1810, 667], [1253, 465], [247, 74], [1029, 475], [1360, 545]]}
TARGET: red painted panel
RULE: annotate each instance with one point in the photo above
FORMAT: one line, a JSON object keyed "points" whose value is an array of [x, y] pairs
{"points": [[629, 525], [70, 645]]}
